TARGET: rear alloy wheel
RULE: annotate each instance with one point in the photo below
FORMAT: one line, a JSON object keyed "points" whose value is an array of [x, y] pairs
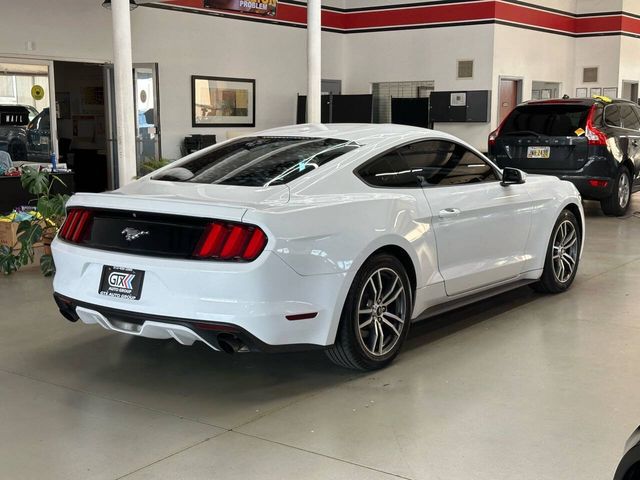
{"points": [[563, 256], [618, 203], [376, 316]]}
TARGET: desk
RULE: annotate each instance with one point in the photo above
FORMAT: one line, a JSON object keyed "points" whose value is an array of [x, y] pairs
{"points": [[12, 194]]}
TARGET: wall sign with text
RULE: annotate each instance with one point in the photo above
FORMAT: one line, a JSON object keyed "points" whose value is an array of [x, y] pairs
{"points": [[262, 7]]}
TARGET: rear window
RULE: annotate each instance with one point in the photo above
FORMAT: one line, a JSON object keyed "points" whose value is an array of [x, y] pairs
{"points": [[258, 161], [552, 120]]}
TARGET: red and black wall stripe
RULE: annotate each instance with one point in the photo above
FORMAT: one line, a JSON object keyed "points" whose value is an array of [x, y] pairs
{"points": [[439, 13]]}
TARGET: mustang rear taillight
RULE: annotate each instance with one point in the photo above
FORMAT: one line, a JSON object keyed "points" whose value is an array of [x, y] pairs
{"points": [[76, 225], [231, 241]]}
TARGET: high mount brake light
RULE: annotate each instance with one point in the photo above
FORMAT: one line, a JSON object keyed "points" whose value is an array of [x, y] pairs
{"points": [[594, 136], [231, 241], [76, 225]]}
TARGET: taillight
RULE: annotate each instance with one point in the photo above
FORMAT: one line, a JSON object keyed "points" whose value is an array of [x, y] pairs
{"points": [[493, 136], [594, 136], [231, 241], [76, 225]]}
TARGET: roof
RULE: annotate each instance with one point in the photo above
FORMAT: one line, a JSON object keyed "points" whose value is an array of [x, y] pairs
{"points": [[363, 133], [576, 101]]}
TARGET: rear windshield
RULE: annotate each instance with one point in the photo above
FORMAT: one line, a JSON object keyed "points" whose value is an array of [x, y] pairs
{"points": [[258, 161], [552, 120]]}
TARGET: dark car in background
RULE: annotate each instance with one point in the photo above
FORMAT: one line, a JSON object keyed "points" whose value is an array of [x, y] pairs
{"points": [[13, 129], [24, 133], [593, 143]]}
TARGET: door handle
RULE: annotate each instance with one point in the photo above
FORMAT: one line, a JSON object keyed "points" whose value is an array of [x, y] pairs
{"points": [[449, 213]]}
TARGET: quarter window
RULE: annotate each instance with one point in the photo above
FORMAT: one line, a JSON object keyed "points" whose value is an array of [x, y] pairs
{"points": [[629, 117], [427, 164], [612, 116]]}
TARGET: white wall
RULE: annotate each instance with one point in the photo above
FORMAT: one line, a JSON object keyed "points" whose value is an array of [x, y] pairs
{"points": [[212, 46], [427, 54]]}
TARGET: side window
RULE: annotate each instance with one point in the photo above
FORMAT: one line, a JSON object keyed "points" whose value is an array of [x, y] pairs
{"points": [[612, 116], [389, 171], [629, 117], [446, 163], [429, 163]]}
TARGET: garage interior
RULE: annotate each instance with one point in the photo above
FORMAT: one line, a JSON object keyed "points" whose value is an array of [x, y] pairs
{"points": [[519, 386], [522, 385]]}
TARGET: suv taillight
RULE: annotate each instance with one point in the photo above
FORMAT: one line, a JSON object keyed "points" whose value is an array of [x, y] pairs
{"points": [[231, 241], [75, 225], [594, 136]]}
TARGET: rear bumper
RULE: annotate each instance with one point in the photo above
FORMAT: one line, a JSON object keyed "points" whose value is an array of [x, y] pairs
{"points": [[218, 336], [252, 299], [588, 191]]}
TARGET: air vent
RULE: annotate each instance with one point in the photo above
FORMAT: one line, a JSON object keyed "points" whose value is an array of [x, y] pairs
{"points": [[465, 68], [590, 75]]}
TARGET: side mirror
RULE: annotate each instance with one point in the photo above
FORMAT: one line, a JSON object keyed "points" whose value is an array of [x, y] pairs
{"points": [[512, 176]]}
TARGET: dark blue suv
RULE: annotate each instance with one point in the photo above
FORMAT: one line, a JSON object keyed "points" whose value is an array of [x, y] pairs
{"points": [[593, 143]]}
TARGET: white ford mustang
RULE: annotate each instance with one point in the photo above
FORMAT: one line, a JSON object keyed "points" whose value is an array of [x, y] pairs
{"points": [[328, 236]]}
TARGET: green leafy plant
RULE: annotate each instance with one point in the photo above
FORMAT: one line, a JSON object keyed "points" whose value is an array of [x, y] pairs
{"points": [[39, 228], [151, 165]]}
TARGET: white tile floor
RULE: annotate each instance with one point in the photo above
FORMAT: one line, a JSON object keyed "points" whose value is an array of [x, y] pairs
{"points": [[521, 386]]}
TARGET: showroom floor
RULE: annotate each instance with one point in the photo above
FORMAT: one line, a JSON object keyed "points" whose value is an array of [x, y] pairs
{"points": [[521, 386]]}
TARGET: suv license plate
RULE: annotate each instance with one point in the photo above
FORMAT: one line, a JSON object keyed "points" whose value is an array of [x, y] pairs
{"points": [[538, 152], [119, 282]]}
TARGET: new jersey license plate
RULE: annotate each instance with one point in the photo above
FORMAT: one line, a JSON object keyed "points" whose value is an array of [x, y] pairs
{"points": [[538, 152], [120, 282]]}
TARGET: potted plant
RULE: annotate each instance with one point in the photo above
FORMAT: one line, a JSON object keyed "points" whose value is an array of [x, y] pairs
{"points": [[42, 226]]}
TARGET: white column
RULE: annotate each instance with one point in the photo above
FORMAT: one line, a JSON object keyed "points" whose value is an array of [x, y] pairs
{"points": [[123, 73], [314, 60]]}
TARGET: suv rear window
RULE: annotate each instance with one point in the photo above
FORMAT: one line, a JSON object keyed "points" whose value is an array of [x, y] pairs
{"points": [[552, 120], [258, 161]]}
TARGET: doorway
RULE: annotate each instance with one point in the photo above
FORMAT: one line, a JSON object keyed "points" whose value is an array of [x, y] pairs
{"points": [[509, 96], [81, 134], [630, 90], [545, 90]]}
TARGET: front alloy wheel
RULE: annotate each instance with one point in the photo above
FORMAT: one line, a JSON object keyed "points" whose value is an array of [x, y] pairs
{"points": [[376, 315], [563, 255]]}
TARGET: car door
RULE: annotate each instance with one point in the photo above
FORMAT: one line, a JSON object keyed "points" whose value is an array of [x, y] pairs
{"points": [[481, 227]]}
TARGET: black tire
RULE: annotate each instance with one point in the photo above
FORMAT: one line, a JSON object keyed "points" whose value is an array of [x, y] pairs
{"points": [[17, 151], [353, 345], [618, 203], [549, 281]]}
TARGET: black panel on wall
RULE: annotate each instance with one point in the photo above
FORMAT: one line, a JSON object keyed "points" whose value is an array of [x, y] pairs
{"points": [[475, 109], [339, 109], [352, 109], [325, 112], [410, 111]]}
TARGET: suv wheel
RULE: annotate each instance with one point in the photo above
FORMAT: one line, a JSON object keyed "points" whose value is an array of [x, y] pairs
{"points": [[618, 203], [376, 316]]}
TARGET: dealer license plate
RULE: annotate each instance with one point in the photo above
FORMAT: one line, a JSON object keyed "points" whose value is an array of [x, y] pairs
{"points": [[538, 152], [120, 282]]}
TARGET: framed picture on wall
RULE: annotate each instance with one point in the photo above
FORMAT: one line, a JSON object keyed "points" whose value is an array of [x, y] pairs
{"points": [[223, 102], [596, 91], [611, 92], [582, 92]]}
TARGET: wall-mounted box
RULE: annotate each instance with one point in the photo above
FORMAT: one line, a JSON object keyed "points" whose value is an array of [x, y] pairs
{"points": [[461, 106]]}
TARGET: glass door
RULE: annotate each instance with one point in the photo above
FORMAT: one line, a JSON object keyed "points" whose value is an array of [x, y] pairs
{"points": [[148, 150]]}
